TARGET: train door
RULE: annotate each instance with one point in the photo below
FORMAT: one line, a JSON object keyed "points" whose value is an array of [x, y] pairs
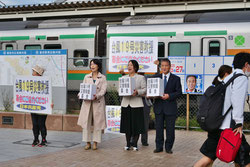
{"points": [[9, 46], [213, 46]]}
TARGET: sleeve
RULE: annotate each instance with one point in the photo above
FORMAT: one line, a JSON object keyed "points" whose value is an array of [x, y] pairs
{"points": [[239, 90], [143, 87], [178, 92], [103, 88]]}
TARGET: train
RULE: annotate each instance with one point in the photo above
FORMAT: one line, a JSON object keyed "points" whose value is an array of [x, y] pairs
{"points": [[191, 34]]}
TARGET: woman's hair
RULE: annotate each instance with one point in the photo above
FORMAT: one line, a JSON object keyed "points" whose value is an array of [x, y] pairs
{"points": [[135, 65], [98, 63], [221, 73]]}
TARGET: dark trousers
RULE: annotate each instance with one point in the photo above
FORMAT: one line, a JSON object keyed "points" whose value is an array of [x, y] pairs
{"points": [[39, 126], [170, 131], [146, 110]]}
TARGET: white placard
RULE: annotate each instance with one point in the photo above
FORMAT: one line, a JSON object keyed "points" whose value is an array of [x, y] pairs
{"points": [[194, 65], [178, 65], [208, 79], [212, 64], [113, 119], [142, 49], [87, 91], [126, 86], [228, 60], [155, 87], [32, 94]]}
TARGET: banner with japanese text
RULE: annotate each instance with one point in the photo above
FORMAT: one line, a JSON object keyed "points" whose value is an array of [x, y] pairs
{"points": [[113, 118], [142, 49], [32, 94]]}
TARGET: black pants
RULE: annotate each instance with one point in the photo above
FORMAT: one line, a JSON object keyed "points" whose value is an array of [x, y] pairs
{"points": [[146, 110], [170, 131], [38, 122]]}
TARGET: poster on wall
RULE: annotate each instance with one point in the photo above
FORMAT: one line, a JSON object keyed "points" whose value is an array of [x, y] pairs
{"points": [[142, 49], [197, 72], [32, 94], [113, 118]]}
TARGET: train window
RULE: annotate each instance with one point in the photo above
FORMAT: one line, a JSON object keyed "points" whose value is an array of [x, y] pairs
{"points": [[80, 54], [32, 47], [214, 48], [53, 46], [179, 49], [9, 47], [161, 49]]}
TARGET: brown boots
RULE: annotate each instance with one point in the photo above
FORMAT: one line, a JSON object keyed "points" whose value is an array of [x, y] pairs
{"points": [[88, 146]]}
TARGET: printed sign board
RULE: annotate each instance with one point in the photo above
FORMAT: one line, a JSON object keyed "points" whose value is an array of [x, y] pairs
{"points": [[33, 94], [142, 49], [113, 118]]}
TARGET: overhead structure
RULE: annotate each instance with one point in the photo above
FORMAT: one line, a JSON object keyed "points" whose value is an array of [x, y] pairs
{"points": [[128, 7]]}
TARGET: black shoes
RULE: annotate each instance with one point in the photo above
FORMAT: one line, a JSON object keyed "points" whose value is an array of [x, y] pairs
{"points": [[35, 143], [43, 143], [169, 151], [158, 150], [145, 144]]}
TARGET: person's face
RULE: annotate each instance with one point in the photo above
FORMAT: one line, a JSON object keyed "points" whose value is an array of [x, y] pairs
{"points": [[34, 73], [93, 67], [191, 83], [247, 67], [165, 67], [131, 68]]}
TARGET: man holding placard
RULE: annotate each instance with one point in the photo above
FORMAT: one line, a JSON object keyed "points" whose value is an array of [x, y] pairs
{"points": [[165, 107]]}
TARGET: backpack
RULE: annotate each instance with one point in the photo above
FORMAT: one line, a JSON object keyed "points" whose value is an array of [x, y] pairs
{"points": [[211, 106], [228, 145]]}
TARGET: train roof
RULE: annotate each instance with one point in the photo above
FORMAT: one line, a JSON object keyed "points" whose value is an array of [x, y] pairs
{"points": [[211, 17], [60, 23]]}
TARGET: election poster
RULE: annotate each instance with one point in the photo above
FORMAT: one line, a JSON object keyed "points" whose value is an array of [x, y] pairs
{"points": [[32, 94], [197, 72], [142, 49], [113, 118]]}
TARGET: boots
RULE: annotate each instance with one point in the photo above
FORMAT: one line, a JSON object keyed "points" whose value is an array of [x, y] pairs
{"points": [[88, 146]]}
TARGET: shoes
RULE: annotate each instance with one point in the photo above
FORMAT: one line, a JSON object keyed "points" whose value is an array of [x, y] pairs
{"points": [[158, 150], [88, 146], [126, 148], [169, 151], [94, 146], [135, 149], [35, 143], [145, 144], [43, 143]]}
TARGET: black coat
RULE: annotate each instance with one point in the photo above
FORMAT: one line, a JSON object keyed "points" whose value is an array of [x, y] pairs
{"points": [[173, 88]]}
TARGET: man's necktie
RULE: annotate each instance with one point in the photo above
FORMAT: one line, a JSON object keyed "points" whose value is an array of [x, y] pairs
{"points": [[165, 81]]}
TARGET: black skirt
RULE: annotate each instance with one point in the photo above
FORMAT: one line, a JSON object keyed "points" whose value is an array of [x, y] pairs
{"points": [[132, 121]]}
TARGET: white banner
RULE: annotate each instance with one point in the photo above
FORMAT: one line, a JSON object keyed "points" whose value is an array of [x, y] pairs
{"points": [[32, 94], [113, 118], [142, 49]]}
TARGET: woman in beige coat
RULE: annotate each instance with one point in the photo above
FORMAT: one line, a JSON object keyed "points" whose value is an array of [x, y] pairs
{"points": [[92, 115]]}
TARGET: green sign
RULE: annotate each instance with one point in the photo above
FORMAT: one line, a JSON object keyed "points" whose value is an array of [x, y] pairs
{"points": [[239, 40]]}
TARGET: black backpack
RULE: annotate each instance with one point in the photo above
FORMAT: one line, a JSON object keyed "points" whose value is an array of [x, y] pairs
{"points": [[211, 106]]}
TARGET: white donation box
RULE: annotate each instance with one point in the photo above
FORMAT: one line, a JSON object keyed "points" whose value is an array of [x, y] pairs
{"points": [[155, 87], [126, 86], [87, 91]]}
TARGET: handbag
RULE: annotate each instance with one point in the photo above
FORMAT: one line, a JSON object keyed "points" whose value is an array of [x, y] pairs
{"points": [[228, 145]]}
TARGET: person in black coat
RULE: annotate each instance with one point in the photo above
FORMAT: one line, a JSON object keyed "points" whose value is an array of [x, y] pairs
{"points": [[165, 108]]}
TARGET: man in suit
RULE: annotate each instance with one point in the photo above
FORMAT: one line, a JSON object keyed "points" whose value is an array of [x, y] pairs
{"points": [[165, 108]]}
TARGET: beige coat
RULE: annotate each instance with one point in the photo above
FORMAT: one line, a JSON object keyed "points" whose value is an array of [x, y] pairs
{"points": [[140, 86], [99, 114]]}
